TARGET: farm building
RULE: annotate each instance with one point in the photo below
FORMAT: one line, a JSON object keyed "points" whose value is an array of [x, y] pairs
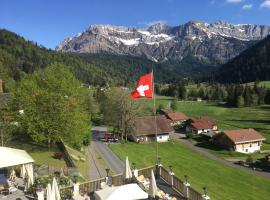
{"points": [[176, 118], [145, 130], [243, 140], [202, 125]]}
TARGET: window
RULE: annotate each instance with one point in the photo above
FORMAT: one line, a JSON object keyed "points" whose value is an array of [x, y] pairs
{"points": [[250, 145], [160, 137], [246, 150]]}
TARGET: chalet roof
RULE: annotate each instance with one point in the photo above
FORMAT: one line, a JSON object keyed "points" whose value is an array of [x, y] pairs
{"points": [[204, 122], [177, 116], [166, 111], [244, 135], [146, 125]]}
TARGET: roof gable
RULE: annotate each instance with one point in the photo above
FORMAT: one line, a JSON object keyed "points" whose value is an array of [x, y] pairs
{"points": [[146, 125], [244, 135]]}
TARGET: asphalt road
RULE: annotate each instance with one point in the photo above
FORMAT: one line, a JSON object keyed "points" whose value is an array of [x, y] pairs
{"points": [[115, 164]]}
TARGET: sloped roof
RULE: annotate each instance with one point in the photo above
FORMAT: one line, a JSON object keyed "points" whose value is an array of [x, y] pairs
{"points": [[244, 135], [146, 125], [166, 111], [12, 157], [204, 122], [177, 116]]}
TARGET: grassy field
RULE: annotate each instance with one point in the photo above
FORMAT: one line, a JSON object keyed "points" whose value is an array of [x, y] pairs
{"points": [[80, 160], [41, 154], [226, 118], [224, 183]]}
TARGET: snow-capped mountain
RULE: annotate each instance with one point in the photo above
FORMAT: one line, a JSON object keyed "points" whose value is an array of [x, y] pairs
{"points": [[210, 43]]}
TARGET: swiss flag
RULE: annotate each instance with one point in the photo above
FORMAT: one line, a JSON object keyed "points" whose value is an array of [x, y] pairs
{"points": [[144, 87]]}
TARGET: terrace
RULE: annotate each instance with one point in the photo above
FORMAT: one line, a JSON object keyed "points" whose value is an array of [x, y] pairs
{"points": [[169, 186]]}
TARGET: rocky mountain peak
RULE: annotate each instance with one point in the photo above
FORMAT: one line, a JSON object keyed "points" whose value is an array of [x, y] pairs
{"points": [[211, 43]]}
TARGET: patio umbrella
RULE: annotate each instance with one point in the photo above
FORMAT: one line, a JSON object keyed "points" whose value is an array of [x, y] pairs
{"points": [[48, 192], [30, 174], [128, 173], [55, 190], [23, 171], [153, 186], [12, 175]]}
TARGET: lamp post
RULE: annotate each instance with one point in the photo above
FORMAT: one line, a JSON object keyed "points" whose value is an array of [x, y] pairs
{"points": [[158, 161], [171, 168], [107, 171], [133, 166], [205, 190], [186, 179]]}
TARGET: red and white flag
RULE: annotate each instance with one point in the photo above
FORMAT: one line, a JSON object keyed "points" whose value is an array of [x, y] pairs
{"points": [[144, 87]]}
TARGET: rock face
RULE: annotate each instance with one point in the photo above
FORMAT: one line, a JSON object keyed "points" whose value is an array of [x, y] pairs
{"points": [[209, 43]]}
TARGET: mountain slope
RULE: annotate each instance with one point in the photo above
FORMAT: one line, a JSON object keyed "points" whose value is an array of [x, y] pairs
{"points": [[19, 57], [208, 43], [251, 65]]}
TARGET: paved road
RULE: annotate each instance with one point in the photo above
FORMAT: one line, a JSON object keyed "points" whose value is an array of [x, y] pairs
{"points": [[115, 164], [96, 170], [206, 153]]}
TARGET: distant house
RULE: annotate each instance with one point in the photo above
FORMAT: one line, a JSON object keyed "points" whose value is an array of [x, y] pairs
{"points": [[202, 125], [243, 140], [145, 130], [176, 118]]}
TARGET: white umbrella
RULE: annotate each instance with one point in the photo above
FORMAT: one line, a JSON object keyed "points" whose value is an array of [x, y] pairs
{"points": [[128, 173], [48, 192], [30, 174], [153, 186], [55, 190], [12, 175], [23, 171]]}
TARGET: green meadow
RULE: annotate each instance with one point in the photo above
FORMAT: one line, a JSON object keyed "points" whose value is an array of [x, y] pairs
{"points": [[224, 183], [227, 118]]}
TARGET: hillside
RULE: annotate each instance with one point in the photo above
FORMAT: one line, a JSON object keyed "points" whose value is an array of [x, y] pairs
{"points": [[251, 65], [19, 57]]}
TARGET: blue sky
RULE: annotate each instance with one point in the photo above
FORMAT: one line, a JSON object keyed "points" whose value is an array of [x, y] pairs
{"points": [[49, 21]]}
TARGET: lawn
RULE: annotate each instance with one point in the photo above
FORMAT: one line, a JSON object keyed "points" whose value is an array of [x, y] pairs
{"points": [[227, 118], [41, 154], [80, 160], [224, 183]]}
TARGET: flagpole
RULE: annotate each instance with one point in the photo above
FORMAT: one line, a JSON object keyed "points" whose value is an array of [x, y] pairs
{"points": [[155, 115]]}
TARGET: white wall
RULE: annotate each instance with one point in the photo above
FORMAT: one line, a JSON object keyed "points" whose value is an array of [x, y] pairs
{"points": [[248, 149], [163, 138]]}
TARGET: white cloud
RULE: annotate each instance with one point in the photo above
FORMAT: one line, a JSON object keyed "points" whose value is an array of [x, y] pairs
{"points": [[265, 4], [247, 6], [234, 1], [145, 23]]}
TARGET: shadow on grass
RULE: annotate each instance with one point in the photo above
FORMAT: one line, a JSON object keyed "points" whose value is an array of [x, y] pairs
{"points": [[205, 142]]}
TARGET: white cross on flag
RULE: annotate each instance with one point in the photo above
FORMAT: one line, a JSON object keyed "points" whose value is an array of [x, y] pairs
{"points": [[144, 87]]}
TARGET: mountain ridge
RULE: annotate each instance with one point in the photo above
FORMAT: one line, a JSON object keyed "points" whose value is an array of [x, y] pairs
{"points": [[210, 43]]}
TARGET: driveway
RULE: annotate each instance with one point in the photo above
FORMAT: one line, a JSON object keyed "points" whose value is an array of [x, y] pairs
{"points": [[115, 164], [206, 153]]}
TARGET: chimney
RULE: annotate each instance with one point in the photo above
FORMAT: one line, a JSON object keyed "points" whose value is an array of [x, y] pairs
{"points": [[1, 87]]}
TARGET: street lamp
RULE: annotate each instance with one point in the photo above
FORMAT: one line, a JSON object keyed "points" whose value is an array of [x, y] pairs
{"points": [[107, 171], [158, 160], [133, 166], [186, 179], [171, 167], [205, 190]]}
